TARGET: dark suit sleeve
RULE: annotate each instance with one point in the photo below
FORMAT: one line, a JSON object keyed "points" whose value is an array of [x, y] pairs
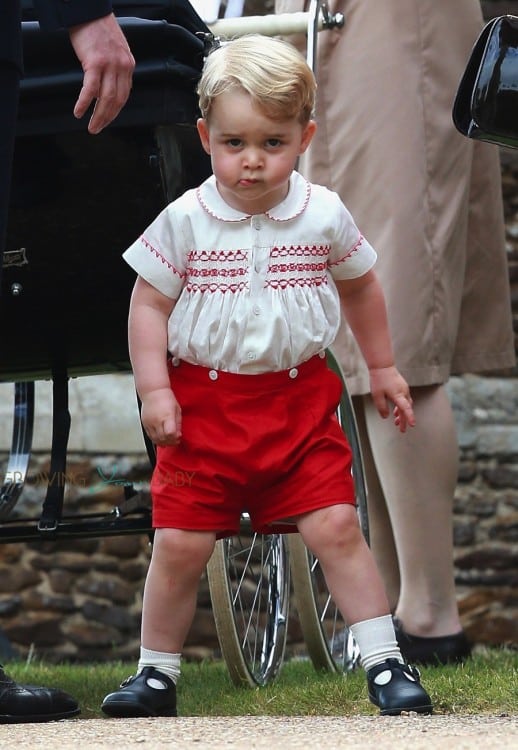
{"points": [[56, 14]]}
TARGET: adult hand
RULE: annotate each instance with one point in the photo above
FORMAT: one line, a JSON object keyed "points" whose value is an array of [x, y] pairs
{"points": [[108, 66]]}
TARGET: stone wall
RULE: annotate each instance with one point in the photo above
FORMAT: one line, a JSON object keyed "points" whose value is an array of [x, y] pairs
{"points": [[81, 599], [486, 500]]}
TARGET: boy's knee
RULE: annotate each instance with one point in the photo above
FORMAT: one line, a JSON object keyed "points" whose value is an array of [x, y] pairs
{"points": [[328, 528], [188, 548]]}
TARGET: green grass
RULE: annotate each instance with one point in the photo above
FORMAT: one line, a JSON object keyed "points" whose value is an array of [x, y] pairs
{"points": [[486, 684]]}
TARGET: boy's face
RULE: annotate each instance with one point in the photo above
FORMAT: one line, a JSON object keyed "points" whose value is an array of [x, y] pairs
{"points": [[252, 155]]}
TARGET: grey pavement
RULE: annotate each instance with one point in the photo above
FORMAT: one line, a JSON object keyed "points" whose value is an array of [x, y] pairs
{"points": [[268, 733]]}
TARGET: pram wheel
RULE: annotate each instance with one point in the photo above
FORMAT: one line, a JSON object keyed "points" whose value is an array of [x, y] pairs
{"points": [[249, 579], [328, 640]]}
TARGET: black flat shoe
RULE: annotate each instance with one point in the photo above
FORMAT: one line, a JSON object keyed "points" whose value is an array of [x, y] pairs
{"points": [[395, 687], [150, 693], [446, 649], [29, 703]]}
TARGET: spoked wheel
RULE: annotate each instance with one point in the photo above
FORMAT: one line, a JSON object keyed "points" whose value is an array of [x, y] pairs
{"points": [[329, 641], [249, 581]]}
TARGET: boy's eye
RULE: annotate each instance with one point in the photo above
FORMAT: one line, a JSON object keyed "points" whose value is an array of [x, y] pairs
{"points": [[273, 142], [234, 142]]}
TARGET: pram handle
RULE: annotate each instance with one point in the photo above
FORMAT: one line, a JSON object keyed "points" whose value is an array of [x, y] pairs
{"points": [[282, 24], [309, 22]]}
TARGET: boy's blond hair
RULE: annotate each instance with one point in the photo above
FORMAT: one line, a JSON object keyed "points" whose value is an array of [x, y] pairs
{"points": [[272, 71]]}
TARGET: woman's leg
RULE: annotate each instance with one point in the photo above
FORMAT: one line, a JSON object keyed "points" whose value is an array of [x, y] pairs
{"points": [[418, 473], [380, 528]]}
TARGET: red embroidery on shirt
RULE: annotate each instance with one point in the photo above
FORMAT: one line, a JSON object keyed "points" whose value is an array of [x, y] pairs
{"points": [[158, 254], [217, 256], [203, 272], [285, 283], [216, 264], [297, 213], [209, 271], [294, 267], [300, 251], [246, 217], [215, 287], [304, 274], [350, 252]]}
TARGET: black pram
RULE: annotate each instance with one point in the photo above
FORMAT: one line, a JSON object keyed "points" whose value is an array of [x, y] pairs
{"points": [[77, 202]]}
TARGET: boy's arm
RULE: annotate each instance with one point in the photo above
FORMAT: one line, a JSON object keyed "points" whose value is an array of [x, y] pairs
{"points": [[147, 330], [364, 307]]}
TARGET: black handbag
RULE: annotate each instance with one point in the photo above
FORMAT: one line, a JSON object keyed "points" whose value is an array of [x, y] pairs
{"points": [[486, 104]]}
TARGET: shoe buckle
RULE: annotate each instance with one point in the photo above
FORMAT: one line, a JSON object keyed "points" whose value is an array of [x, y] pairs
{"points": [[127, 681]]}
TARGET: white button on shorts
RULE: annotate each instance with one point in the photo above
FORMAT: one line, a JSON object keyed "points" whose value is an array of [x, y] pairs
{"points": [[213, 375], [293, 372]]}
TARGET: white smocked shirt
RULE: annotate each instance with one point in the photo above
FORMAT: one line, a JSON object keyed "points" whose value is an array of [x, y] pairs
{"points": [[254, 293]]}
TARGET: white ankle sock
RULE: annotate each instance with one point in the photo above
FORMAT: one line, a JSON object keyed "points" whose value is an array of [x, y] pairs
{"points": [[169, 664], [376, 640]]}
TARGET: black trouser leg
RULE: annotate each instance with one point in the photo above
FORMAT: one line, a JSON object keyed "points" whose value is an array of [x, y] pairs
{"points": [[9, 86]]}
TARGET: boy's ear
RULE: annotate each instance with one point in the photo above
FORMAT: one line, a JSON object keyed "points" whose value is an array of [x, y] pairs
{"points": [[203, 132], [307, 135]]}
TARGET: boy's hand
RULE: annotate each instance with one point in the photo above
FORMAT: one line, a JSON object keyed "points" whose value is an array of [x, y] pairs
{"points": [[387, 384], [162, 417]]}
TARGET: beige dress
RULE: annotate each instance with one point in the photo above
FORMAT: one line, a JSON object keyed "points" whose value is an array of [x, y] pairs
{"points": [[428, 199]]}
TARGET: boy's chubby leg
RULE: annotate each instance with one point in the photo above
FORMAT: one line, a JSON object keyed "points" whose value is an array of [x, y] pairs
{"points": [[333, 535], [177, 563]]}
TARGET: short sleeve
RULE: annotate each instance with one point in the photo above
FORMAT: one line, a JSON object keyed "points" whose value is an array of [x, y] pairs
{"points": [[159, 255], [351, 254]]}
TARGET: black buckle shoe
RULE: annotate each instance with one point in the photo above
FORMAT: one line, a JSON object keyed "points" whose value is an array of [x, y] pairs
{"points": [[29, 703], [445, 649], [395, 687], [150, 693]]}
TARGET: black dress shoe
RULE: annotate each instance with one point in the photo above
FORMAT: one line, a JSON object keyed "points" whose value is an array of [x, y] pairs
{"points": [[445, 649], [395, 687], [29, 703], [150, 693]]}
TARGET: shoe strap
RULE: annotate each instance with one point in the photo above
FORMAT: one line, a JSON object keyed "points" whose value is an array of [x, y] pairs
{"points": [[394, 664], [146, 673]]}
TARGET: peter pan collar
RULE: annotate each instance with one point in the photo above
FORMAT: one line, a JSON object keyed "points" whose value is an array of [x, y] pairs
{"points": [[293, 205]]}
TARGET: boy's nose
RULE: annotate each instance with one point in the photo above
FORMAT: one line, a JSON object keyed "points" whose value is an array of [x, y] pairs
{"points": [[253, 158]]}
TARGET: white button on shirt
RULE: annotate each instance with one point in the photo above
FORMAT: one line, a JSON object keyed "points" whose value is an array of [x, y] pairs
{"points": [[250, 301]]}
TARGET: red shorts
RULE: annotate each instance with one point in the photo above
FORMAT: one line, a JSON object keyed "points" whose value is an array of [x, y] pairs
{"points": [[269, 445]]}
